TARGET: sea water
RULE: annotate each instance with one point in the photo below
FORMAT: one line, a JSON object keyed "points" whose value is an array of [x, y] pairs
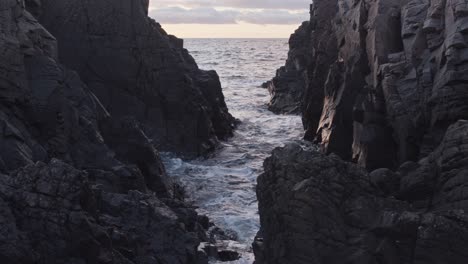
{"points": [[223, 185]]}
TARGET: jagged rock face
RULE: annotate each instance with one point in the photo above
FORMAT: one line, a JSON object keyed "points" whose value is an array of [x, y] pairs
{"points": [[383, 75], [46, 111], [57, 216], [318, 209], [385, 87], [287, 88], [78, 185], [137, 70]]}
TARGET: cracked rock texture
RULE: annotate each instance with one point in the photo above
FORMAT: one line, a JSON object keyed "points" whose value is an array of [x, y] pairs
{"points": [[385, 88], [379, 74], [81, 180], [135, 68], [316, 208], [288, 87]]}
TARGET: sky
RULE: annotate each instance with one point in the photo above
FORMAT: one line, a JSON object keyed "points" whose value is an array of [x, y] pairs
{"points": [[230, 18]]}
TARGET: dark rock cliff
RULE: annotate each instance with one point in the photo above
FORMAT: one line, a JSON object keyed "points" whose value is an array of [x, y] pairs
{"points": [[381, 75], [288, 87], [135, 68], [80, 178], [385, 88], [318, 209]]}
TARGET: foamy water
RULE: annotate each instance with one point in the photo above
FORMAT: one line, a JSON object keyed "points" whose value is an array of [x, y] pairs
{"points": [[223, 186]]}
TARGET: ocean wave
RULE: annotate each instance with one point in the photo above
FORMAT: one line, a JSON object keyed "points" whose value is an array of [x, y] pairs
{"points": [[223, 186]]}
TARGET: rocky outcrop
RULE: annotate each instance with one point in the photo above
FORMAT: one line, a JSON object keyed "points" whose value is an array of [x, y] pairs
{"points": [[135, 68], [288, 87], [58, 216], [80, 183], [318, 209], [385, 89], [382, 75]]}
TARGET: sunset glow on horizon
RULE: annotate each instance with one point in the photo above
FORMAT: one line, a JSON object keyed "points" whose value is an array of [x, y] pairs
{"points": [[229, 31], [230, 18]]}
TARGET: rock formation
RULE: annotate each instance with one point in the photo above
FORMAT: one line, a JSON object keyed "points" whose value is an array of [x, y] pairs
{"points": [[382, 75], [386, 88], [318, 209], [135, 68], [81, 180], [288, 87]]}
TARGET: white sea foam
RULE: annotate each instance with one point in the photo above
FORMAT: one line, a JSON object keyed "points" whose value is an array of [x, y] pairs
{"points": [[223, 187]]}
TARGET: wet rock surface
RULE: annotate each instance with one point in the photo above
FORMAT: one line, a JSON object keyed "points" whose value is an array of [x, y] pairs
{"points": [[386, 90], [81, 179]]}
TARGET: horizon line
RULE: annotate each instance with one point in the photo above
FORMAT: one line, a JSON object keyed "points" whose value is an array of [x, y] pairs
{"points": [[227, 38]]}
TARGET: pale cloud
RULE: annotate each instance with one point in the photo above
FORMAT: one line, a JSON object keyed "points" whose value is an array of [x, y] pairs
{"points": [[208, 15], [230, 18], [199, 15], [264, 4], [271, 16]]}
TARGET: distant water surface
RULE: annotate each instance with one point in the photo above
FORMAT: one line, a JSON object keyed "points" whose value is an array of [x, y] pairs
{"points": [[223, 186]]}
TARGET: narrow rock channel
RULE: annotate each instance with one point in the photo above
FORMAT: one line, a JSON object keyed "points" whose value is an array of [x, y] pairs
{"points": [[222, 186]]}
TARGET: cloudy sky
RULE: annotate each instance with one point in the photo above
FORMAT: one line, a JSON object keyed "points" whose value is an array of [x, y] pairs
{"points": [[230, 18]]}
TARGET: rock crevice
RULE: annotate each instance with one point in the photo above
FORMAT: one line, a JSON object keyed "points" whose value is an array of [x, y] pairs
{"points": [[316, 208], [380, 75]]}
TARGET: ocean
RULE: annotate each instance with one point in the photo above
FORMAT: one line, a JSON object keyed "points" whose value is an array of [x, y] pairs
{"points": [[222, 186]]}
